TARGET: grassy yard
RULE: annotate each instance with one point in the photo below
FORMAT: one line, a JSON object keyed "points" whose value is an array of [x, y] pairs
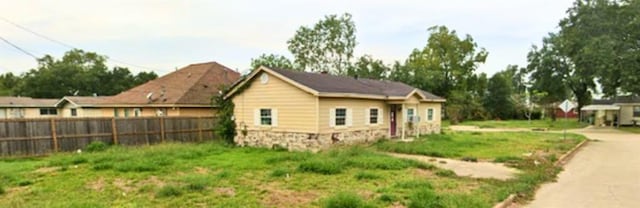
{"points": [[559, 124], [632, 129], [215, 175]]}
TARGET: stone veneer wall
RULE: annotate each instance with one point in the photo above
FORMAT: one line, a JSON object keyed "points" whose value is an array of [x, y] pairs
{"points": [[307, 141], [428, 128]]}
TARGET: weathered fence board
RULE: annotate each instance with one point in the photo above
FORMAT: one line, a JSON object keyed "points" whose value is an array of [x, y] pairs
{"points": [[44, 136]]}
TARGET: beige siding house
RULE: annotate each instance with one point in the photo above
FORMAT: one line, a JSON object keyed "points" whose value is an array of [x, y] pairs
{"points": [[26, 107], [311, 111], [184, 92]]}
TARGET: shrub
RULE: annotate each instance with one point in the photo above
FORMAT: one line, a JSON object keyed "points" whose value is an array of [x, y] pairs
{"points": [[321, 166], [445, 173], [169, 191], [96, 146], [366, 176], [425, 197], [345, 200]]}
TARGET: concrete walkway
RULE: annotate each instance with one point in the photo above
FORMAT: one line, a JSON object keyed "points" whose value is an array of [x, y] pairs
{"points": [[605, 173], [462, 168]]}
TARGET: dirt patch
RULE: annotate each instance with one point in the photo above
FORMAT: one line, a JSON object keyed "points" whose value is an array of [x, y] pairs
{"points": [[201, 170], [423, 173], [153, 180], [397, 205], [226, 191], [287, 198], [13, 191], [45, 170], [97, 185], [124, 185]]}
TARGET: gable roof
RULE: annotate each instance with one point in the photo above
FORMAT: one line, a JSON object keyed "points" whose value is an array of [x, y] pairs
{"points": [[627, 99], [85, 101], [191, 85], [342, 86], [26, 102]]}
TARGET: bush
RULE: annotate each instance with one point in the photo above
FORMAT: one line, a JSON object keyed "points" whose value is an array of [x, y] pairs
{"points": [[321, 166], [345, 200], [97, 146], [169, 191], [366, 176], [445, 173], [425, 197]]}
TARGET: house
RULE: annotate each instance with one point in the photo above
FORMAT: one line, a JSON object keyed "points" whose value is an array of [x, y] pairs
{"points": [[311, 111], [184, 92], [622, 110], [26, 107], [573, 113]]}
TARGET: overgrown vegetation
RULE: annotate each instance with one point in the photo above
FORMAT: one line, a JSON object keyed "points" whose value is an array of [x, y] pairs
{"points": [[170, 175], [96, 146], [226, 126]]}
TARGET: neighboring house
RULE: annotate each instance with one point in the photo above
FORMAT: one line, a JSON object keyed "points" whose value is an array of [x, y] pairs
{"points": [[184, 92], [26, 107], [302, 111], [573, 113], [622, 110]]}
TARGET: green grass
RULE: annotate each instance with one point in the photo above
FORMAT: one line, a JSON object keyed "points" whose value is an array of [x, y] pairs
{"points": [[484, 146], [216, 175], [630, 129], [559, 124]]}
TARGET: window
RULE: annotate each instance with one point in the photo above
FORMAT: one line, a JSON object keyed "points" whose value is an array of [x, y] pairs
{"points": [[430, 114], [373, 116], [115, 112], [137, 112], [74, 112], [636, 111], [410, 114], [48, 111], [265, 117], [161, 111], [126, 112], [341, 117]]}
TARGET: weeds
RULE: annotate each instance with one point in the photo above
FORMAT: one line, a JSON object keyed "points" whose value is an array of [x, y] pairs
{"points": [[96, 146], [345, 200], [169, 191], [367, 176]]}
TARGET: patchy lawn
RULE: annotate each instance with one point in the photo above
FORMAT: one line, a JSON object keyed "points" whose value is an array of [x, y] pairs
{"points": [[559, 124], [631, 129], [215, 175]]}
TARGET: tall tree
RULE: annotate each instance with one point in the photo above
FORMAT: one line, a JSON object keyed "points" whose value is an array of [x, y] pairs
{"points": [[8, 82], [446, 62], [498, 100], [368, 67], [272, 60], [327, 46]]}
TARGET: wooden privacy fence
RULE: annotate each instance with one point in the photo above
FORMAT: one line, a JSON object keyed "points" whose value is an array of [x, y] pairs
{"points": [[44, 136]]}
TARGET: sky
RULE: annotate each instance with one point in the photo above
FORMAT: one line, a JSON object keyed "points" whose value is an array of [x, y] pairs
{"points": [[162, 35]]}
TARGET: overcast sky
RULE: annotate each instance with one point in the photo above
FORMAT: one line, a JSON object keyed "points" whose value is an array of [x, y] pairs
{"points": [[165, 35]]}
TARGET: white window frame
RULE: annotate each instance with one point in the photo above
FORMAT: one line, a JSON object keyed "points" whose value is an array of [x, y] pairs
{"points": [[379, 116], [634, 112], [257, 117], [348, 120], [137, 112], [406, 115], [433, 114]]}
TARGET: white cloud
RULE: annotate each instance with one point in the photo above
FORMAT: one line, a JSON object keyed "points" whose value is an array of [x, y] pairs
{"points": [[169, 34]]}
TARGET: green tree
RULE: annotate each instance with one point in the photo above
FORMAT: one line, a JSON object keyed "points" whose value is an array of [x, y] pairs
{"points": [[368, 67], [272, 61], [327, 46], [8, 82], [77, 73], [446, 62], [498, 100]]}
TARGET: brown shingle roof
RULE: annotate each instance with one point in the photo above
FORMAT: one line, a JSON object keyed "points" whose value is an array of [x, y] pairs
{"points": [[192, 85], [26, 102], [89, 100], [326, 83]]}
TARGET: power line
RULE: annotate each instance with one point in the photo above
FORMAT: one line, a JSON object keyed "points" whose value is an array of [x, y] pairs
{"points": [[18, 47], [68, 45]]}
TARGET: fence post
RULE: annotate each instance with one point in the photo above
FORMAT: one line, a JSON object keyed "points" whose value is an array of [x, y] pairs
{"points": [[200, 128], [162, 132], [53, 135], [114, 131]]}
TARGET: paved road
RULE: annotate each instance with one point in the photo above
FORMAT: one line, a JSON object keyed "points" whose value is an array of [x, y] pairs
{"points": [[604, 173]]}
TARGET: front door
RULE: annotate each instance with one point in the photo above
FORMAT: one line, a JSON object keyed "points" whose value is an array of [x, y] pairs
{"points": [[392, 120]]}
